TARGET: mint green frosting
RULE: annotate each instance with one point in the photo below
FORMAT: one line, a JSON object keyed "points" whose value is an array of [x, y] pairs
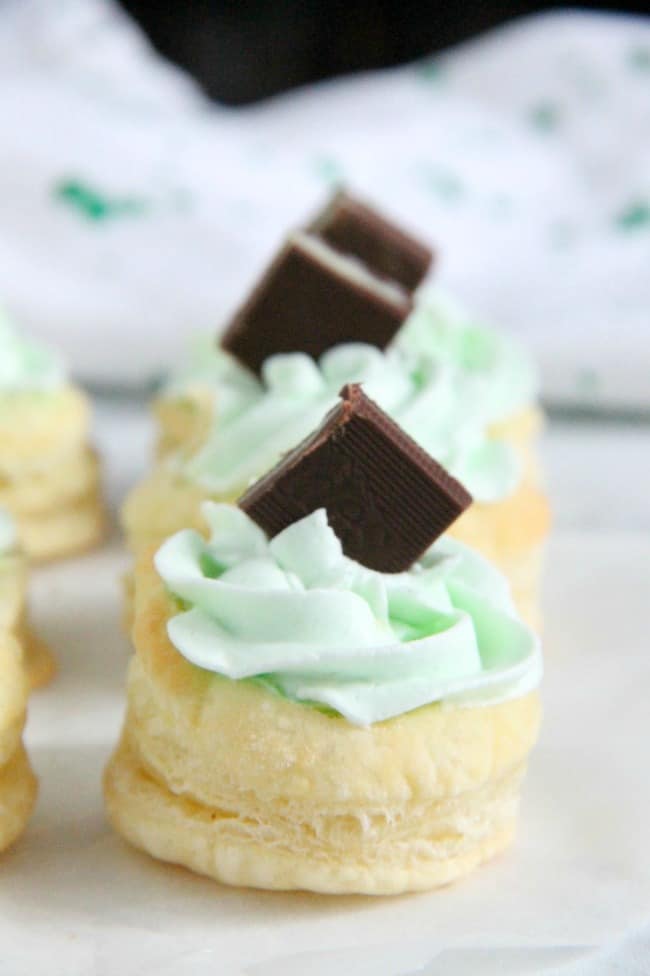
{"points": [[209, 368], [493, 364], [316, 627], [26, 366], [7, 533]]}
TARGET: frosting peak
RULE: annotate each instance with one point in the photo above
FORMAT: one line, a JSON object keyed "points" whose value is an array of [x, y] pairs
{"points": [[26, 366], [496, 368], [313, 625]]}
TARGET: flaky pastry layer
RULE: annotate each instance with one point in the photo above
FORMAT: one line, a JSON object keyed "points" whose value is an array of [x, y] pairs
{"points": [[249, 788]]}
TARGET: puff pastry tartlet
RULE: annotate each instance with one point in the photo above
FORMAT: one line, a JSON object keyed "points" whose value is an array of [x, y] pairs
{"points": [[297, 719], [49, 473], [240, 779]]}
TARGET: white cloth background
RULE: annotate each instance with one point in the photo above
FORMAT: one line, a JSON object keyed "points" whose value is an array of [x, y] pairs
{"points": [[133, 211]]}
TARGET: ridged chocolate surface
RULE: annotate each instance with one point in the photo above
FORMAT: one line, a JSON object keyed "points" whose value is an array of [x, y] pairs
{"points": [[386, 498], [354, 228], [304, 304]]}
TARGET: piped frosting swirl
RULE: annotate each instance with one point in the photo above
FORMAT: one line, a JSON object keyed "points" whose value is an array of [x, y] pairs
{"points": [[297, 615]]}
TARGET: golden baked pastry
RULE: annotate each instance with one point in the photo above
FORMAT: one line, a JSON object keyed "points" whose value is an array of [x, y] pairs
{"points": [[17, 781], [49, 474], [37, 658]]}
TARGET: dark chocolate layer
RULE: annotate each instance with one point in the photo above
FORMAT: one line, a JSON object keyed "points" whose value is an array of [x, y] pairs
{"points": [[354, 228], [309, 300], [386, 498]]}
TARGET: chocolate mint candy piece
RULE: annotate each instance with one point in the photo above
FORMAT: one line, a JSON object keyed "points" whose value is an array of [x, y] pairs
{"points": [[386, 498], [354, 228], [310, 299]]}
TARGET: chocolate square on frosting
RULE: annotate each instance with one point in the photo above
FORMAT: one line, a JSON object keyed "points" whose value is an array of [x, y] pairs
{"points": [[385, 497], [310, 299], [354, 228]]}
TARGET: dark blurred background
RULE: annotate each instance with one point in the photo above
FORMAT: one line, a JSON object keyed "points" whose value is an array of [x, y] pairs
{"points": [[242, 50]]}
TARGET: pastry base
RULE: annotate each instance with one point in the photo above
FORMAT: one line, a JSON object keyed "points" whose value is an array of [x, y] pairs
{"points": [[47, 488], [450, 841], [524, 571], [184, 422], [17, 782], [511, 535], [38, 660], [521, 431], [17, 796], [13, 591], [64, 532], [251, 789], [37, 431], [49, 475]]}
